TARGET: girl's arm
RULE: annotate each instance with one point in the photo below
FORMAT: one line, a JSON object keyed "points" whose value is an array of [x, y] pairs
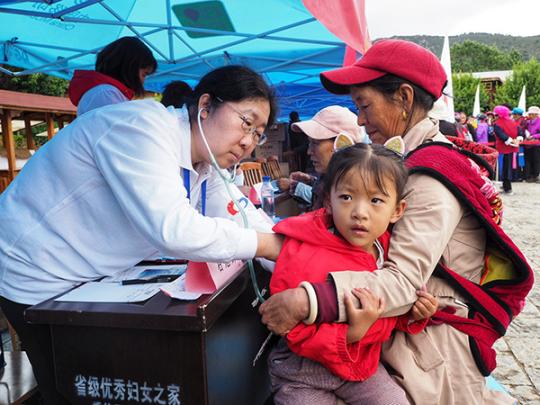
{"points": [[361, 319]]}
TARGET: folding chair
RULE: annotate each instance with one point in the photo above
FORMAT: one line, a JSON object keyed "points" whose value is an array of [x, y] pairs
{"points": [[272, 169], [252, 173]]}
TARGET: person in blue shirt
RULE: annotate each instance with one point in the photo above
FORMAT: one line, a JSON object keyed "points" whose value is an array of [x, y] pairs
{"points": [[121, 69]]}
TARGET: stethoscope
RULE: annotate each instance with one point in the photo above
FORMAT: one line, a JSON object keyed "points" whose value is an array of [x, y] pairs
{"points": [[228, 180]]}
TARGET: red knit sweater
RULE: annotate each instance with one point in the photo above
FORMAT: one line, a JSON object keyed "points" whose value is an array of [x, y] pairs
{"points": [[510, 128], [309, 253]]}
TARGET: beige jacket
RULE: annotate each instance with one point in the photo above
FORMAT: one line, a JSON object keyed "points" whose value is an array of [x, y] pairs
{"points": [[435, 366]]}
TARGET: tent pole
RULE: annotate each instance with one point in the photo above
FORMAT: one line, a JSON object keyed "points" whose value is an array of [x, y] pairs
{"points": [[130, 27], [76, 7], [169, 30]]}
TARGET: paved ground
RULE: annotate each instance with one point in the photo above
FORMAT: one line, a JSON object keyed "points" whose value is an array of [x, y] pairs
{"points": [[519, 351]]}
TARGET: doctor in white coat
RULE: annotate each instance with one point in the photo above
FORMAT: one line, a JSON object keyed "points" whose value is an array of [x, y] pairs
{"points": [[125, 182]]}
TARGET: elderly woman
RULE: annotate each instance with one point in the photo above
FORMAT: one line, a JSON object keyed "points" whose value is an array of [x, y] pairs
{"points": [[322, 130], [532, 152], [442, 240]]}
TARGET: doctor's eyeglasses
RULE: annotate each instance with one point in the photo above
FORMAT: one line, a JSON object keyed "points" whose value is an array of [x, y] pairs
{"points": [[247, 125]]}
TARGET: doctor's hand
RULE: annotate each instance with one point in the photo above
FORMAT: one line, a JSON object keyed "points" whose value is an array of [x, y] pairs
{"points": [[284, 310], [269, 245]]}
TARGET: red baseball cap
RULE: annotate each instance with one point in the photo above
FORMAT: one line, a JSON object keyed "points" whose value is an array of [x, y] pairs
{"points": [[404, 59]]}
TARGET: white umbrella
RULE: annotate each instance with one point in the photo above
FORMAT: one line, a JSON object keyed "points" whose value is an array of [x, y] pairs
{"points": [[448, 90], [522, 101], [476, 106]]}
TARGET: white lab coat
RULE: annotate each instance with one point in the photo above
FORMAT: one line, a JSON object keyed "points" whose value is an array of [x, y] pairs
{"points": [[106, 192]]}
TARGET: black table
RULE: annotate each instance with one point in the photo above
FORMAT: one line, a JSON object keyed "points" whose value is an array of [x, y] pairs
{"points": [[161, 351]]}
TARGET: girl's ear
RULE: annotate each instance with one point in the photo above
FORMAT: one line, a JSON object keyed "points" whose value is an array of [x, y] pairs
{"points": [[328, 206], [398, 211], [204, 105]]}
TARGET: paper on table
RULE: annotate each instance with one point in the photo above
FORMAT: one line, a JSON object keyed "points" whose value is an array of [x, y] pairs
{"points": [[135, 272], [177, 289], [111, 292]]}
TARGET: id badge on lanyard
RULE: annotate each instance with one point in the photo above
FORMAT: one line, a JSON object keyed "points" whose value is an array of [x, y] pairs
{"points": [[188, 189]]}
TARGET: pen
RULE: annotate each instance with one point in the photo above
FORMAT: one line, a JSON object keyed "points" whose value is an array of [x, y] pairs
{"points": [[158, 279], [161, 261]]}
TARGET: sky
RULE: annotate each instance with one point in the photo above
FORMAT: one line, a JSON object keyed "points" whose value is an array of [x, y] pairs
{"points": [[387, 18]]}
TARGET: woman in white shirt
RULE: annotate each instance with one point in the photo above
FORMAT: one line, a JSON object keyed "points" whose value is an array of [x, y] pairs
{"points": [[121, 68], [125, 182]]}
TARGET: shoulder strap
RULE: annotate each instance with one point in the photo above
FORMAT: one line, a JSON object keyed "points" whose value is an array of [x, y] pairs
{"points": [[497, 301], [482, 155]]}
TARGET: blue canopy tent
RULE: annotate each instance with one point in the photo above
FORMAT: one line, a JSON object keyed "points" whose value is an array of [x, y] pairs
{"points": [[278, 38]]}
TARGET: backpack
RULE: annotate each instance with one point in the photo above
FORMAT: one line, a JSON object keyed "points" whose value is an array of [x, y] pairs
{"points": [[506, 279]]}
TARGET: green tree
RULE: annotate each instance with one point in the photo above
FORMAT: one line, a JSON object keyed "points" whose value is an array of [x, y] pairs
{"points": [[472, 56], [527, 74], [464, 86], [37, 83]]}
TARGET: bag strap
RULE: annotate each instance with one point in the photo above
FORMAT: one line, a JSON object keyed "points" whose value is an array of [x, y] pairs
{"points": [[481, 300]]}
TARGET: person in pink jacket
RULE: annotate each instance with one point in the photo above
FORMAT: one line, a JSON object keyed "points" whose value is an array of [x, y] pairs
{"points": [[507, 134], [363, 194]]}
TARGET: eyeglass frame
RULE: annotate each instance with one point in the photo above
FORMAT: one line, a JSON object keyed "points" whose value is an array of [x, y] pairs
{"points": [[249, 129]]}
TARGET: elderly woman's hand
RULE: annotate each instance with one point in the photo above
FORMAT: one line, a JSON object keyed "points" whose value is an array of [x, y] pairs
{"points": [[301, 176], [284, 183], [298, 177], [284, 310]]}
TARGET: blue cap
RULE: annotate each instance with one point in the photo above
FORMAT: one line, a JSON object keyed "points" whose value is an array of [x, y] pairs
{"points": [[518, 111], [266, 178]]}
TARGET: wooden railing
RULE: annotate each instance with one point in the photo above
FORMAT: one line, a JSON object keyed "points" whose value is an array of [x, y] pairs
{"points": [[5, 179]]}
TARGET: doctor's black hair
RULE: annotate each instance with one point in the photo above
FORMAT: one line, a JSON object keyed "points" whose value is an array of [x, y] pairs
{"points": [[122, 60], [374, 162], [233, 83]]}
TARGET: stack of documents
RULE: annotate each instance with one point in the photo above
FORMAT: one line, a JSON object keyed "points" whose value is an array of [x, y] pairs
{"points": [[134, 285]]}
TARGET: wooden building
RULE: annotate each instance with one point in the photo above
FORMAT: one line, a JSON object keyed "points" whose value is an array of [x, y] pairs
{"points": [[29, 108], [492, 80]]}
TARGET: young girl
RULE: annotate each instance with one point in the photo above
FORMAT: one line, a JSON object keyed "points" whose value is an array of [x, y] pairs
{"points": [[363, 194]]}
